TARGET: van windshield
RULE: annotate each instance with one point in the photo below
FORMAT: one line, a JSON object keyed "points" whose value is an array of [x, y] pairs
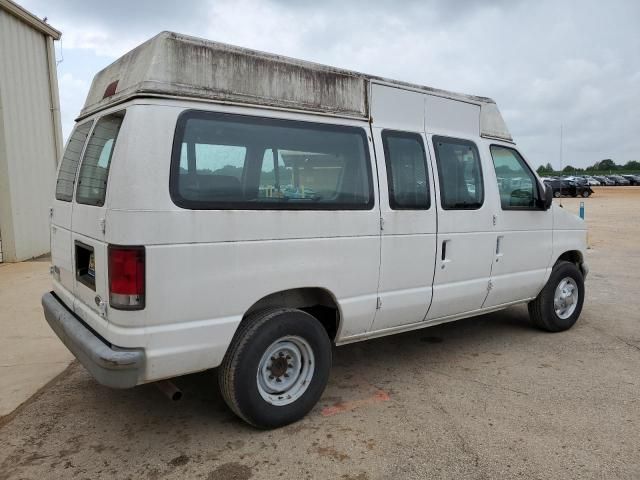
{"points": [[234, 161]]}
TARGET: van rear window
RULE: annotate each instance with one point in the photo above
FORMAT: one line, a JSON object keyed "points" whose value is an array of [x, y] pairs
{"points": [[94, 171], [225, 161], [69, 165]]}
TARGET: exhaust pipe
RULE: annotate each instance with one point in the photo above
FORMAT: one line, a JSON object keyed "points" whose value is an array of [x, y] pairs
{"points": [[167, 387]]}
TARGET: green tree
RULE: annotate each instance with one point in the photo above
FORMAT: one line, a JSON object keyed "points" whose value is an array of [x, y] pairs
{"points": [[632, 165], [569, 169], [606, 164], [545, 169]]}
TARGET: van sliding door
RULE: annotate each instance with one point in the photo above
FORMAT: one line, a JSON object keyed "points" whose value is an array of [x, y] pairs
{"points": [[407, 208]]}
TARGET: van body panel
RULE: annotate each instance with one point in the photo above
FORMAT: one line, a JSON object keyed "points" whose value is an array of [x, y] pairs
{"points": [[450, 117], [396, 108]]}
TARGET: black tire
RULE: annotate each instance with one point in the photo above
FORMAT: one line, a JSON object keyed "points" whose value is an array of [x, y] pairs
{"points": [[585, 194], [237, 374], [556, 194], [541, 310]]}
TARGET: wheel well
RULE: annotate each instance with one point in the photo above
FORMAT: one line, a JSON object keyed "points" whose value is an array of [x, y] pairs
{"points": [[573, 256], [316, 301]]}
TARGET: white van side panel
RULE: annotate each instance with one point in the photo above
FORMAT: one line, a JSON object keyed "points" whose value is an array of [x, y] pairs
{"points": [[206, 268], [396, 108], [451, 117]]}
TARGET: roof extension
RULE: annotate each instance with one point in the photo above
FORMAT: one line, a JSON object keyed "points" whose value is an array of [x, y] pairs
{"points": [[175, 65]]}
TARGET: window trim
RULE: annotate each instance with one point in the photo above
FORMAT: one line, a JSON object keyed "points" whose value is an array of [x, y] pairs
{"points": [[539, 197], [91, 123], [463, 141], [174, 170], [408, 135], [108, 169]]}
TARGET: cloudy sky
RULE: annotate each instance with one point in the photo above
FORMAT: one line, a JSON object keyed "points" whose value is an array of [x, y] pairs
{"points": [[546, 63]]}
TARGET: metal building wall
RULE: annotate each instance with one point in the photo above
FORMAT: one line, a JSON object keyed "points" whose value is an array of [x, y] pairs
{"points": [[28, 143]]}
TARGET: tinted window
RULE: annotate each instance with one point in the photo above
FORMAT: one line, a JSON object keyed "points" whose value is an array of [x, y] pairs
{"points": [[69, 165], [516, 184], [406, 170], [94, 171], [225, 161], [460, 174]]}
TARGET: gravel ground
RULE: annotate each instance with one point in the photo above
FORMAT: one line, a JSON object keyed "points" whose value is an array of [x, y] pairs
{"points": [[487, 397]]}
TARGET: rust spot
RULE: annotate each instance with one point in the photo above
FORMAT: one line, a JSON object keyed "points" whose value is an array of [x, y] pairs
{"points": [[379, 396]]}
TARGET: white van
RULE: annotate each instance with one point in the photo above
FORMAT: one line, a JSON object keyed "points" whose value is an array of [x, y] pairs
{"points": [[222, 207]]}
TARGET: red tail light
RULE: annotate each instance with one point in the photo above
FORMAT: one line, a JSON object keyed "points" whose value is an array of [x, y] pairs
{"points": [[126, 277]]}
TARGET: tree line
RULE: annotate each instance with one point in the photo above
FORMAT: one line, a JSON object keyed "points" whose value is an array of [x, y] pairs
{"points": [[605, 166]]}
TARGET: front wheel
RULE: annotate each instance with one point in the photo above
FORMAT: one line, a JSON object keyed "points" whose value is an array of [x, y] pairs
{"points": [[558, 306], [276, 367], [556, 194], [585, 194]]}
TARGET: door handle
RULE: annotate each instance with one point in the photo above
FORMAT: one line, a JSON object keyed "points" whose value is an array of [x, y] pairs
{"points": [[499, 242], [444, 251]]}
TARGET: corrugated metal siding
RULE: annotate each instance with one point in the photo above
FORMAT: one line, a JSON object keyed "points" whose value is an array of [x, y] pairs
{"points": [[29, 146]]}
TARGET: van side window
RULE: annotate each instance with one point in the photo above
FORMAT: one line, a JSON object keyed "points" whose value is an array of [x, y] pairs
{"points": [[94, 170], [70, 160], [226, 161], [406, 170], [460, 174], [516, 183]]}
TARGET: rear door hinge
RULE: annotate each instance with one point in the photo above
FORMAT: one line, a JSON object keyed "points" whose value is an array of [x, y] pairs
{"points": [[378, 303], [495, 220], [103, 225], [381, 224], [489, 286]]}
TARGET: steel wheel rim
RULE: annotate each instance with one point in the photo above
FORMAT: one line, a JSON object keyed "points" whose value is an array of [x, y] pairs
{"points": [[565, 298], [285, 370]]}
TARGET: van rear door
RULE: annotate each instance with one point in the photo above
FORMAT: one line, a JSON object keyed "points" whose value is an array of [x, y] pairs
{"points": [[89, 249], [61, 250]]}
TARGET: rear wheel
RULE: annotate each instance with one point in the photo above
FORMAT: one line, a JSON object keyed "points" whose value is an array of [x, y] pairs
{"points": [[585, 193], [276, 368], [558, 306], [556, 193]]}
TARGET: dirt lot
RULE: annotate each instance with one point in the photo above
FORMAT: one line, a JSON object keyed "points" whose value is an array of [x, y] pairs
{"points": [[487, 397]]}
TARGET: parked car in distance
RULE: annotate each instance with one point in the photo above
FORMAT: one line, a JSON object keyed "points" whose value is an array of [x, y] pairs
{"points": [[569, 188], [578, 180], [592, 181], [604, 180], [633, 179], [268, 224], [619, 180]]}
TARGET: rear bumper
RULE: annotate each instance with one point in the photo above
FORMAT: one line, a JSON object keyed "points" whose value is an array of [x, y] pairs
{"points": [[111, 366]]}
